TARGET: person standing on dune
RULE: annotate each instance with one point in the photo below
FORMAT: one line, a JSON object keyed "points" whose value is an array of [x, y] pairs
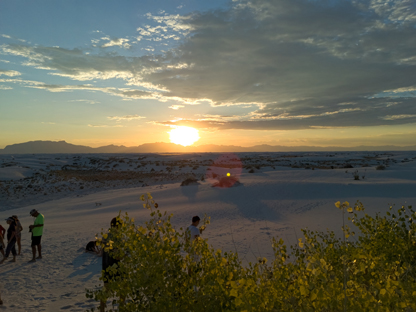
{"points": [[19, 230], [2, 244], [11, 240], [37, 231]]}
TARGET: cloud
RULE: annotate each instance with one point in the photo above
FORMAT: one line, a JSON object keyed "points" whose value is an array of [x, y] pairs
{"points": [[77, 65], [306, 114], [86, 101], [297, 62], [116, 42], [10, 73], [121, 92], [13, 38], [177, 23], [176, 107], [128, 117], [2, 87], [395, 117], [104, 126]]}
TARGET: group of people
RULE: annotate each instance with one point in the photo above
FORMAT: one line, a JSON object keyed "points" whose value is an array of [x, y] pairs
{"points": [[14, 236]]}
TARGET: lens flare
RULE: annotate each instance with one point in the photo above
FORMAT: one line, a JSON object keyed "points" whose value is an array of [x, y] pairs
{"points": [[225, 171]]}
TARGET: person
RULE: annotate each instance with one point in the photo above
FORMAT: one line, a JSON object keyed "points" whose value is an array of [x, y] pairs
{"points": [[92, 247], [193, 231], [19, 230], [37, 231], [11, 240], [108, 260], [2, 245], [2, 231]]}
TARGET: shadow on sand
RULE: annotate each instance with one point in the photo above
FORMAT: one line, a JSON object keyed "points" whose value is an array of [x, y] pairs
{"points": [[86, 263]]}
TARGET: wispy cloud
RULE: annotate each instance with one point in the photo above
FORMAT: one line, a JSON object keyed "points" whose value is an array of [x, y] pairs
{"points": [[2, 87], [176, 107], [128, 117], [121, 92], [104, 126], [86, 101], [11, 37], [117, 42], [9, 73], [395, 117]]}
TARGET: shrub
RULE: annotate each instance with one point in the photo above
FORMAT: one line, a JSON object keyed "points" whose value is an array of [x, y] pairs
{"points": [[189, 181], [322, 272], [380, 167], [356, 175], [227, 182]]}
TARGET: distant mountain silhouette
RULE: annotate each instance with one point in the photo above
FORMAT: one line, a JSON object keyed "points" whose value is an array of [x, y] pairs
{"points": [[53, 147]]}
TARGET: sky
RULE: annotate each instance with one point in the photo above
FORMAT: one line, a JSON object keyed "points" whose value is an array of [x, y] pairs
{"points": [[278, 72]]}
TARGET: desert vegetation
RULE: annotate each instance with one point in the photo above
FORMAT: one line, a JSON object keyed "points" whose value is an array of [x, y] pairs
{"points": [[370, 268]]}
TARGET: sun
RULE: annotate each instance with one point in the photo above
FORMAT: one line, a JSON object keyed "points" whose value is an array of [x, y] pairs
{"points": [[183, 135]]}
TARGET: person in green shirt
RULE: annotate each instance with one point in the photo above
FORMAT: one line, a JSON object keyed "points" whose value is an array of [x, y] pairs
{"points": [[37, 231]]}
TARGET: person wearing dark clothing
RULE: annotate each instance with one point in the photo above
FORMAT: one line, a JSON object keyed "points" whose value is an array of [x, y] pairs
{"points": [[18, 234], [2, 231], [108, 260], [2, 244], [11, 240], [92, 247]]}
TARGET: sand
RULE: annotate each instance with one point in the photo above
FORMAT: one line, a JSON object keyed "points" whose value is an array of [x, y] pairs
{"points": [[80, 194]]}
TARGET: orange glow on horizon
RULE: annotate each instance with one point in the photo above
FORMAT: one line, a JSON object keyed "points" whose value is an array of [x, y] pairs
{"points": [[184, 136]]}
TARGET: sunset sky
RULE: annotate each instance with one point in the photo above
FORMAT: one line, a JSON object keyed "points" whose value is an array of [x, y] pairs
{"points": [[278, 72]]}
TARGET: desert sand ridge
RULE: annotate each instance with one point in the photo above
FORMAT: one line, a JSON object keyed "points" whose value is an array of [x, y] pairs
{"points": [[279, 193]]}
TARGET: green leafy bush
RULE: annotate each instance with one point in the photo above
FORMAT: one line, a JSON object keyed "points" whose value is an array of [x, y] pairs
{"points": [[161, 270]]}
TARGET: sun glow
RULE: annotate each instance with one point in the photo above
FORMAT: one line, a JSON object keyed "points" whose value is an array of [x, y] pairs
{"points": [[183, 135]]}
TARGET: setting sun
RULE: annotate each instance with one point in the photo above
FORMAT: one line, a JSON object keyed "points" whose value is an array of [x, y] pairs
{"points": [[183, 135]]}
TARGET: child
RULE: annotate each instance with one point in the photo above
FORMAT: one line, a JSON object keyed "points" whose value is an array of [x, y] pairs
{"points": [[92, 247]]}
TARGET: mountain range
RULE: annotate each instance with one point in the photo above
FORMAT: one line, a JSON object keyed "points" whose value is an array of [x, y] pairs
{"points": [[55, 147]]}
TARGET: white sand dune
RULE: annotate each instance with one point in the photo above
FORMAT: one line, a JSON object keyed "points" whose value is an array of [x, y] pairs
{"points": [[269, 202]]}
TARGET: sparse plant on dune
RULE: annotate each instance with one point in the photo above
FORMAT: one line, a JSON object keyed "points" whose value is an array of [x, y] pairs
{"points": [[323, 272], [380, 167], [356, 175]]}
